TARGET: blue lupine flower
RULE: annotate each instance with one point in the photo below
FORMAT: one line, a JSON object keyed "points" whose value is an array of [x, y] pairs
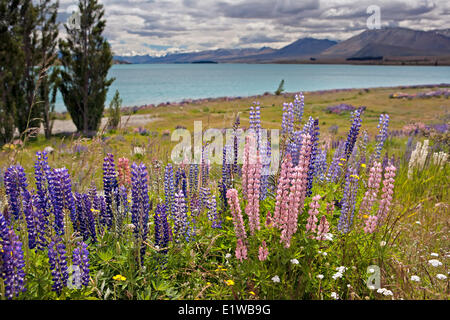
{"points": [[162, 232], [321, 165], [213, 216], [85, 218], [12, 188], [141, 204], [180, 219], [383, 125], [180, 181], [60, 189], [354, 131], [348, 201], [266, 152], [80, 260], [110, 186], [58, 264], [12, 262], [314, 132], [335, 168], [20, 199], [236, 167], [169, 187], [299, 105]]}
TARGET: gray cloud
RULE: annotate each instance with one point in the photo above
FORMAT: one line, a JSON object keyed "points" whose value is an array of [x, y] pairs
{"points": [[158, 27]]}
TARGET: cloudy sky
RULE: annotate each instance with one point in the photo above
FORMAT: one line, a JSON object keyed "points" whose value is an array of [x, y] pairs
{"points": [[157, 27]]}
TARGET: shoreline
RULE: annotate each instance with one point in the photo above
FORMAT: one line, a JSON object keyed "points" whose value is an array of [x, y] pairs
{"points": [[187, 101], [134, 109]]}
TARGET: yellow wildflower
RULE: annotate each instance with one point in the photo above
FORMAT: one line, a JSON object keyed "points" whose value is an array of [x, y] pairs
{"points": [[365, 216], [252, 293], [363, 165], [229, 282], [228, 218], [119, 277]]}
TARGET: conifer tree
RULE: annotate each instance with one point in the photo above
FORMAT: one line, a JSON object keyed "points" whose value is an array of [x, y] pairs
{"points": [[86, 58]]}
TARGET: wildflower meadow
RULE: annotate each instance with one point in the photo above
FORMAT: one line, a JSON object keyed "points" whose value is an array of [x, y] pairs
{"points": [[300, 214]]}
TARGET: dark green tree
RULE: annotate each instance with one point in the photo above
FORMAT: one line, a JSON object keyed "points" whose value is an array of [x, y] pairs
{"points": [[11, 67], [114, 111], [280, 88], [86, 58], [27, 113], [48, 31]]}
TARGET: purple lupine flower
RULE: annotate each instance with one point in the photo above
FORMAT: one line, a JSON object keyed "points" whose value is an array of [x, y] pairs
{"points": [[354, 131], [204, 169], [162, 233], [169, 187], [314, 133], [205, 194], [180, 219], [141, 204], [123, 194], [383, 125], [110, 185], [85, 217], [42, 172], [348, 201], [213, 216], [61, 197], [13, 186], [80, 259], [236, 145], [180, 181], [266, 152], [100, 205], [12, 260], [299, 105], [335, 168], [16, 181], [321, 165], [226, 165], [58, 264], [193, 188], [287, 124], [223, 194], [255, 122]]}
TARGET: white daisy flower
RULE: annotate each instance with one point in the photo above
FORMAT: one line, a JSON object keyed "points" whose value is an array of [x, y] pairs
{"points": [[334, 295], [294, 261], [441, 276], [415, 278], [435, 262], [276, 279], [320, 276]]}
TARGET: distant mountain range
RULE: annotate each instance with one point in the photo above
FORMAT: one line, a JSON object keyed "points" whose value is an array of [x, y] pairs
{"points": [[396, 43]]}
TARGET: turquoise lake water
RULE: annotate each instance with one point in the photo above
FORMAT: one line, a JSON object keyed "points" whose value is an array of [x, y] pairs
{"points": [[140, 84]]}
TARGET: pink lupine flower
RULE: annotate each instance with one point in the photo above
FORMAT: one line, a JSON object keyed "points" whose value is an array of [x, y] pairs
{"points": [[124, 172], [284, 183], [373, 184], [235, 208], [263, 251], [251, 183], [297, 193], [323, 229], [311, 223], [371, 224], [241, 250], [388, 191]]}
